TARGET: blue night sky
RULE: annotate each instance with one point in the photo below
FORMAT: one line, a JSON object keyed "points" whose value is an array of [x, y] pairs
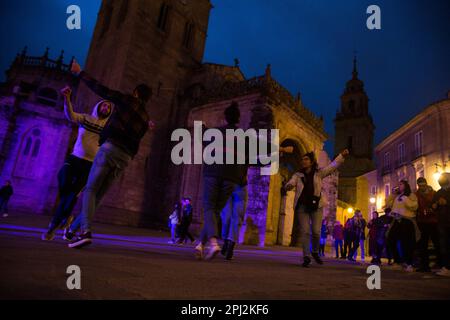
{"points": [[309, 43]]}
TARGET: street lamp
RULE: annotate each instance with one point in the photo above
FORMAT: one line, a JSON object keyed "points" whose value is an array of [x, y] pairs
{"points": [[372, 200], [437, 173], [350, 210]]}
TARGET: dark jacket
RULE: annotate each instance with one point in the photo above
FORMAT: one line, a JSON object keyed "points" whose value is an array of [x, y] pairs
{"points": [[424, 213], [186, 217], [129, 121], [443, 211], [6, 192], [236, 173]]}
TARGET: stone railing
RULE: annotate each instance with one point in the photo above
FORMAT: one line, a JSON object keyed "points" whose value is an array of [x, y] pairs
{"points": [[42, 61], [261, 84]]}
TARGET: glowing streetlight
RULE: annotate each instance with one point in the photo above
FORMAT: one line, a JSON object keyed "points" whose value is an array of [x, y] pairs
{"points": [[436, 175], [350, 210], [372, 200]]}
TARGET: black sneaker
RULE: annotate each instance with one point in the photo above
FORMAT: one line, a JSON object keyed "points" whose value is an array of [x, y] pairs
{"points": [[82, 241], [306, 262], [225, 247], [68, 236], [230, 250], [317, 258]]}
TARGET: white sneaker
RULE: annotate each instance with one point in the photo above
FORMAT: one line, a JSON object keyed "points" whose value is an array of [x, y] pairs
{"points": [[198, 251], [213, 250], [444, 272], [409, 268], [5, 215], [171, 242]]}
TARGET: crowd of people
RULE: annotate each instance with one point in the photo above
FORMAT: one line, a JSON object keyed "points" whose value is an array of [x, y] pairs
{"points": [[403, 233], [109, 138]]}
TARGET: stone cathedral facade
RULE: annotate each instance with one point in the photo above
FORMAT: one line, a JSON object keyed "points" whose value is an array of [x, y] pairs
{"points": [[160, 43]]}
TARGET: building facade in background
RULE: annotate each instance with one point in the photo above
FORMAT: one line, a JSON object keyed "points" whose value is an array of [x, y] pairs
{"points": [[160, 43], [419, 148]]}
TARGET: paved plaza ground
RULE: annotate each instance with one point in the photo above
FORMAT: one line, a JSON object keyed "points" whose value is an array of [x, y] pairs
{"points": [[135, 263]]}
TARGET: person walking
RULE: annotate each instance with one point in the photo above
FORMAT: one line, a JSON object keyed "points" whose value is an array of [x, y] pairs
{"points": [[175, 221], [5, 194], [308, 202], [323, 238], [372, 234], [186, 220], [338, 236]]}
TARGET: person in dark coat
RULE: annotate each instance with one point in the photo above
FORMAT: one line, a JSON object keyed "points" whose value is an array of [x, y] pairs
{"points": [[5, 194]]}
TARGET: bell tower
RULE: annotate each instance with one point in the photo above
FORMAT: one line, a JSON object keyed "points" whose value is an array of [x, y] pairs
{"points": [[158, 43], [354, 129]]}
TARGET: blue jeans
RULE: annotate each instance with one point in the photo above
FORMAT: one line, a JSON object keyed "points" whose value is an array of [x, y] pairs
{"points": [[362, 248], [233, 213], [72, 177], [216, 192], [310, 223], [109, 164], [338, 246]]}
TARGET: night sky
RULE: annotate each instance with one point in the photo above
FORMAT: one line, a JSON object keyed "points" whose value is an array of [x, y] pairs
{"points": [[309, 43]]}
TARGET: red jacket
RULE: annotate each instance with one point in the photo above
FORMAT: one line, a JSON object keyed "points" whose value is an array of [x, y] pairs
{"points": [[338, 232], [424, 213]]}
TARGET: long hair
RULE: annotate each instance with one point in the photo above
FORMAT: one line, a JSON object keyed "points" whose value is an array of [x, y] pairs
{"points": [[314, 164], [407, 191]]}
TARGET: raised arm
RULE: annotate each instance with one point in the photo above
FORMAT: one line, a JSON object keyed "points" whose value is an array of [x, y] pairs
{"points": [[68, 108], [334, 164], [292, 183], [112, 95]]}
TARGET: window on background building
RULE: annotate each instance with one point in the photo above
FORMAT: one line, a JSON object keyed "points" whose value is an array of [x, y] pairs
{"points": [[163, 17], [27, 158], [401, 153], [188, 35], [387, 190], [373, 190], [387, 160], [418, 143]]}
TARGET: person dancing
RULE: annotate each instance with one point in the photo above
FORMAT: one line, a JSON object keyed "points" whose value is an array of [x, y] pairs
{"points": [[73, 175]]}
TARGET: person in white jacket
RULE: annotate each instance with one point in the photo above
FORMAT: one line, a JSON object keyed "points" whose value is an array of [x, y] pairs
{"points": [[308, 202]]}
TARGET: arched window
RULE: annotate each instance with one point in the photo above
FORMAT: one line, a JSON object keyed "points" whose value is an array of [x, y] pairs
{"points": [[28, 155], [47, 96], [163, 17], [188, 35]]}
